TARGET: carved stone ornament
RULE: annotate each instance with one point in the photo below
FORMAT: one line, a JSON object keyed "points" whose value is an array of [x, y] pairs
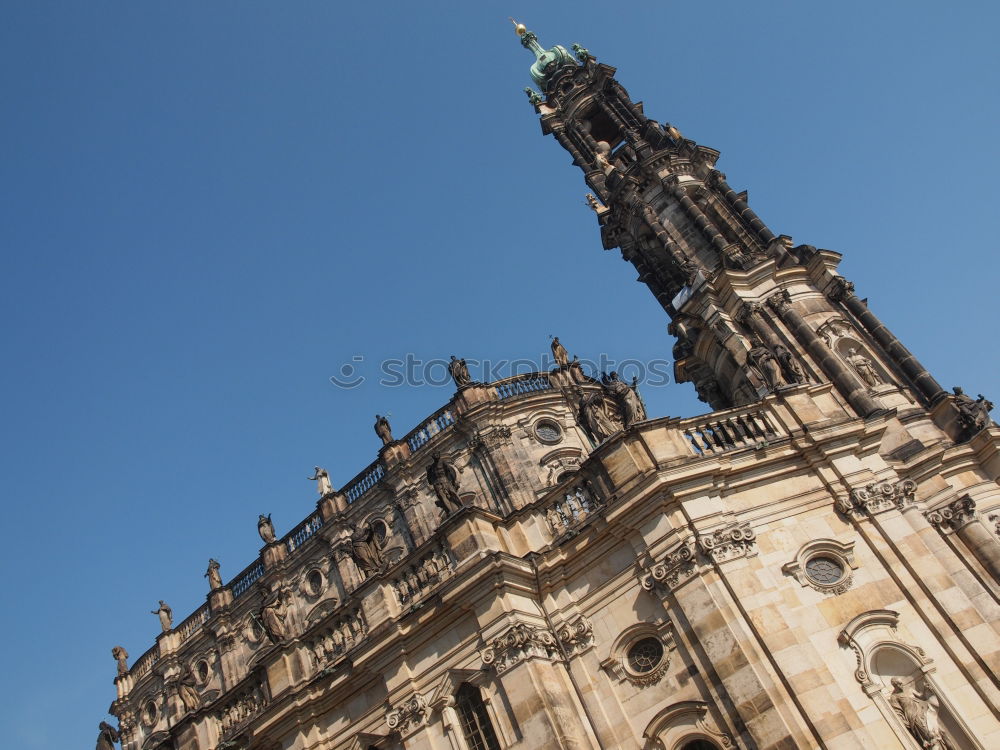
{"points": [[825, 565], [954, 515], [841, 289], [677, 566], [878, 497], [576, 635], [729, 543], [680, 722], [779, 301], [516, 644], [491, 439], [646, 640], [412, 712]]}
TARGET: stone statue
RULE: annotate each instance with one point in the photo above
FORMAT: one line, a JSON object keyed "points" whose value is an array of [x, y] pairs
{"points": [[972, 415], [442, 476], [323, 486], [596, 419], [213, 575], [166, 616], [863, 366], [121, 656], [459, 371], [108, 737], [627, 399], [366, 548], [266, 529], [601, 157], [595, 206], [383, 429], [272, 617], [560, 354], [920, 715], [533, 96], [766, 366], [582, 53], [189, 695], [793, 373]]}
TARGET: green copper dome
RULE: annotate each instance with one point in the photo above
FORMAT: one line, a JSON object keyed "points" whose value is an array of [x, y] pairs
{"points": [[547, 61]]}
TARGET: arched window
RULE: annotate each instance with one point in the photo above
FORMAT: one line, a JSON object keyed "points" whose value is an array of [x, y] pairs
{"points": [[699, 745], [476, 726]]}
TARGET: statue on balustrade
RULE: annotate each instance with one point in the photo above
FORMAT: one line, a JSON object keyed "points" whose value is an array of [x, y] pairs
{"points": [[188, 693], [121, 656], [442, 476], [863, 367], [597, 418], [459, 372], [793, 373], [383, 429], [972, 415], [367, 544], [626, 397], [322, 479], [213, 575], [765, 366], [108, 737], [920, 715], [266, 529], [560, 354], [166, 616], [272, 617]]}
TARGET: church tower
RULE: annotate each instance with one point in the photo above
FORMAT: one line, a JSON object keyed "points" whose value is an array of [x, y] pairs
{"points": [[753, 313]]}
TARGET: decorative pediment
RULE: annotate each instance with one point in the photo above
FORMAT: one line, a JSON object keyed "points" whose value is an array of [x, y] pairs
{"points": [[449, 683]]}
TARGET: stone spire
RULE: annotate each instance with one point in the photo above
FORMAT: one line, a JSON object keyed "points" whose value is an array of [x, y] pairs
{"points": [[706, 256]]}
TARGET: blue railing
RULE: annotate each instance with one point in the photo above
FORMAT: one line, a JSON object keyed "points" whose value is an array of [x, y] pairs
{"points": [[303, 531], [365, 483], [246, 579], [430, 428], [530, 384]]}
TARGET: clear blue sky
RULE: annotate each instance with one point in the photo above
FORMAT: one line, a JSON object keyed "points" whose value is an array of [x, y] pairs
{"points": [[207, 208]]}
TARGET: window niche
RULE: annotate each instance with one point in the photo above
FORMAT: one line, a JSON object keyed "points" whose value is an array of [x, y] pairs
{"points": [[899, 678], [825, 565], [641, 653], [474, 711], [687, 725]]}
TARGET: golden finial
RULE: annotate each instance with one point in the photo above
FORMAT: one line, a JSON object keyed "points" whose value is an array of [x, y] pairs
{"points": [[519, 28]]}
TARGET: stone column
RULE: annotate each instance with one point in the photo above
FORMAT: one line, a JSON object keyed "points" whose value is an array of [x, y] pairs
{"points": [[451, 723], [843, 292], [960, 518], [538, 689], [846, 380], [691, 209], [690, 581]]}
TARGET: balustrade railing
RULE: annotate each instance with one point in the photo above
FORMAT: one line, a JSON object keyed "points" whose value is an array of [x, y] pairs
{"points": [[368, 479], [246, 579], [521, 385], [194, 621], [439, 422], [572, 505], [709, 436], [303, 531], [417, 578], [144, 663]]}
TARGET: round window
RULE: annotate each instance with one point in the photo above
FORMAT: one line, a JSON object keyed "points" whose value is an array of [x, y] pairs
{"points": [[314, 582], [824, 570], [548, 431], [149, 712], [202, 670], [645, 655]]}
